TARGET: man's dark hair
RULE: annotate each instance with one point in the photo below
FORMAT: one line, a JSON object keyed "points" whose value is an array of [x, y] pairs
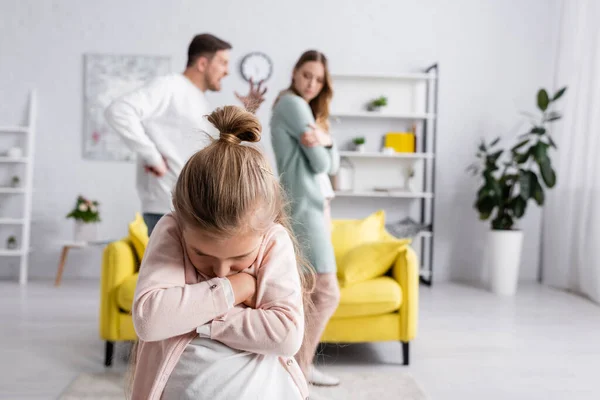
{"points": [[205, 45]]}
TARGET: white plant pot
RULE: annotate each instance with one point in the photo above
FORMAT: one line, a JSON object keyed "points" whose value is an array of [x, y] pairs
{"points": [[85, 232], [360, 148], [15, 152], [503, 258]]}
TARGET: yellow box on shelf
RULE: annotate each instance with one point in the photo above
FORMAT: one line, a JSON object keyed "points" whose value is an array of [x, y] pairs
{"points": [[401, 142]]}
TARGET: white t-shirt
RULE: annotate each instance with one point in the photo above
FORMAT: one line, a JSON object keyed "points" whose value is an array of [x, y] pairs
{"points": [[210, 370], [325, 184], [164, 118]]}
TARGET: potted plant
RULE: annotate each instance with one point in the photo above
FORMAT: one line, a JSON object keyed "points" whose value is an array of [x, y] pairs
{"points": [[11, 243], [359, 144], [86, 216], [377, 104], [409, 181], [511, 177], [15, 181]]}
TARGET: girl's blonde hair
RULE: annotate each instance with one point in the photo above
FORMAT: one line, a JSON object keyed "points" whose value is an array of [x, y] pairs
{"points": [[229, 187]]}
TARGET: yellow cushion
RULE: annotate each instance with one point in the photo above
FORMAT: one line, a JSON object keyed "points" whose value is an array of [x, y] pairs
{"points": [[368, 261], [138, 234], [373, 297], [125, 293], [373, 328], [348, 234]]}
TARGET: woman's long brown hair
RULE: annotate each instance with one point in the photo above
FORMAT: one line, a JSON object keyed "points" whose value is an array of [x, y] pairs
{"points": [[320, 104]]}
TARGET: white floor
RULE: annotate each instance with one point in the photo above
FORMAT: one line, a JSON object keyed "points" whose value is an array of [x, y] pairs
{"points": [[543, 344]]}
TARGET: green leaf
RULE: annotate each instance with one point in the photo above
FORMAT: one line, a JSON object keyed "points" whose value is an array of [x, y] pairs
{"points": [[548, 174], [543, 100], [525, 185], [559, 94], [482, 146], [503, 222], [552, 116], [492, 158], [522, 158], [495, 142], [540, 153], [539, 130], [518, 206], [551, 142], [538, 192], [485, 206], [518, 146]]}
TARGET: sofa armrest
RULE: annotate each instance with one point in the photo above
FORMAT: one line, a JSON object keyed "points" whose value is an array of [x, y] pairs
{"points": [[118, 263], [406, 272]]}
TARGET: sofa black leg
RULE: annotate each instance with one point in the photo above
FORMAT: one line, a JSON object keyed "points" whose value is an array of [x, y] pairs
{"points": [[108, 355], [405, 353]]}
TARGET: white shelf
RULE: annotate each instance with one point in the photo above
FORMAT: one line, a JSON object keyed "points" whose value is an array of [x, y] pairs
{"points": [[424, 272], [27, 160], [11, 221], [13, 129], [391, 194], [13, 160], [382, 115], [10, 190], [411, 76], [12, 253], [425, 234], [401, 156]]}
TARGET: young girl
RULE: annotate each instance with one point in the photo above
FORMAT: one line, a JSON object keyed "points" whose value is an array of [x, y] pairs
{"points": [[218, 307], [306, 154]]}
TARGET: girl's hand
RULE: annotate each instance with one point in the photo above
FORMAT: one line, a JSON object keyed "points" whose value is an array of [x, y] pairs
{"points": [[244, 287], [315, 137]]}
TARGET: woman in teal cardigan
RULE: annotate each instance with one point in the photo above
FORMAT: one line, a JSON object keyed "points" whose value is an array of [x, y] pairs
{"points": [[306, 155]]}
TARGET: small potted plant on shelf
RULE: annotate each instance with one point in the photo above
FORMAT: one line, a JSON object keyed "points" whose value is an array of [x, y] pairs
{"points": [[409, 180], [377, 104], [86, 215], [509, 179], [359, 144], [15, 181], [11, 243]]}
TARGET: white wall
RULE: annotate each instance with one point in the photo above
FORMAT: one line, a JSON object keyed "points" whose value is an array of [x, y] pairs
{"points": [[493, 56]]}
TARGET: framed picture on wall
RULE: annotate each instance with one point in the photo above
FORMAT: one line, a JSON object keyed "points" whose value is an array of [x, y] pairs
{"points": [[107, 77]]}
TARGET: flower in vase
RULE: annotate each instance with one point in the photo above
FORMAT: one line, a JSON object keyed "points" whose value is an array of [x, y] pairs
{"points": [[85, 211]]}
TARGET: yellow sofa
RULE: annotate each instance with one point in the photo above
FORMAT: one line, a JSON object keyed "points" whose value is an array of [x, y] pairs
{"points": [[384, 308]]}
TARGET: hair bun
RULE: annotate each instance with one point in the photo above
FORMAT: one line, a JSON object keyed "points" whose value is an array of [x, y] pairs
{"points": [[235, 125]]}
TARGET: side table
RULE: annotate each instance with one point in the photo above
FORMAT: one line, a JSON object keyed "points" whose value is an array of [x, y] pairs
{"points": [[65, 251]]}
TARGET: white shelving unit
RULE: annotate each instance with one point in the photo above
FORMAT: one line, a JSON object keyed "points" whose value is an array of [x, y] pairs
{"points": [[383, 115], [10, 160], [400, 156], [412, 102], [389, 194], [25, 191]]}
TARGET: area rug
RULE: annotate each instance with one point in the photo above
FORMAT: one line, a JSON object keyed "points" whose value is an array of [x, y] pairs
{"points": [[358, 382]]}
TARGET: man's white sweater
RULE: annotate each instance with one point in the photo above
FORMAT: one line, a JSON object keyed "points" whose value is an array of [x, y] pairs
{"points": [[162, 120]]}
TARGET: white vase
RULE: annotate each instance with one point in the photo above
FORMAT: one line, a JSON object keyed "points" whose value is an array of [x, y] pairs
{"points": [[343, 181], [503, 258], [360, 148], [85, 232], [15, 152]]}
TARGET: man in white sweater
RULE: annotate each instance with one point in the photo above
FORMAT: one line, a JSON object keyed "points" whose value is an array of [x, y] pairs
{"points": [[163, 121]]}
